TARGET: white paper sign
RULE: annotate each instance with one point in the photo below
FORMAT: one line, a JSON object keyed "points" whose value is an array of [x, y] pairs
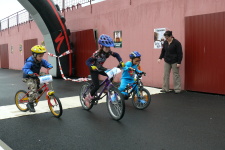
{"points": [[112, 72], [45, 79], [159, 37]]}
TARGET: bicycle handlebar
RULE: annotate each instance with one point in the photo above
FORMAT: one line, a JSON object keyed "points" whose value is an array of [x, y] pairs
{"points": [[142, 73]]}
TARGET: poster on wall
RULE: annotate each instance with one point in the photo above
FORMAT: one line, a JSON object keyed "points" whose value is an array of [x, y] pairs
{"points": [[118, 39], [159, 37]]}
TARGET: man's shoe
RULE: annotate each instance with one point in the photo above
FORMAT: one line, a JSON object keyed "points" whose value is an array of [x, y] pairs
{"points": [[30, 106], [164, 91], [177, 92]]}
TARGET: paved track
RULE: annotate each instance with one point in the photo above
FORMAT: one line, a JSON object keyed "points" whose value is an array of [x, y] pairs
{"points": [[187, 121]]}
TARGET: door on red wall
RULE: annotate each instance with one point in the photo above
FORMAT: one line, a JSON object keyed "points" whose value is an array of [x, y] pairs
{"points": [[28, 44], [84, 46], [204, 53], [4, 56]]}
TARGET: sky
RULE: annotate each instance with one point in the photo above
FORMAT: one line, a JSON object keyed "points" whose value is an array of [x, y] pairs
{"points": [[9, 7]]}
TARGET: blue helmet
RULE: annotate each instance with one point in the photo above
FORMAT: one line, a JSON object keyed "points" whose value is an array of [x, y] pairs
{"points": [[134, 54], [106, 41]]}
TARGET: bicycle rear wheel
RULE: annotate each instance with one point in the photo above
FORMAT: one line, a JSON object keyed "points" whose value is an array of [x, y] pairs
{"points": [[21, 100], [84, 91], [115, 103], [55, 106], [142, 99]]}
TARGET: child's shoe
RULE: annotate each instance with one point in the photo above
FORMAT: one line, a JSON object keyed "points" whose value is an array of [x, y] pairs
{"points": [[113, 98], [30, 106], [87, 99]]}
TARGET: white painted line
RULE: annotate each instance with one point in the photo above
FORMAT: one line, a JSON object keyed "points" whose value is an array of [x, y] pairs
{"points": [[11, 111], [3, 146]]}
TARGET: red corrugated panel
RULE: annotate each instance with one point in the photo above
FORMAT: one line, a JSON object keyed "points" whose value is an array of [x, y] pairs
{"points": [[4, 56], [84, 45], [28, 44], [204, 53]]}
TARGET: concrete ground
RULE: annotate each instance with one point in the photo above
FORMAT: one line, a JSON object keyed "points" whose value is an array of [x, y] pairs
{"points": [[186, 121]]}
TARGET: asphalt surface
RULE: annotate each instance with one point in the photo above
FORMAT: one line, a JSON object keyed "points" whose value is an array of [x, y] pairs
{"points": [[186, 121]]}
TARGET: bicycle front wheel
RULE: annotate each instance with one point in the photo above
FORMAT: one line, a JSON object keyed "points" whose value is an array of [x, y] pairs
{"points": [[21, 100], [141, 99], [115, 103], [55, 106], [84, 91]]}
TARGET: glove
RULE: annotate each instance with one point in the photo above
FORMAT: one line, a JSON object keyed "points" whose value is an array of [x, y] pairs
{"points": [[143, 73], [34, 77], [50, 67], [122, 64], [94, 68]]}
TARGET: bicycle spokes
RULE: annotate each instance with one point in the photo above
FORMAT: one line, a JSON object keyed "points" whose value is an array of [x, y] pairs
{"points": [[21, 100], [141, 99], [55, 106], [115, 104]]}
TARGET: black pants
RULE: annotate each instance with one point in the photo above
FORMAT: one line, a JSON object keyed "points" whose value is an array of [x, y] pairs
{"points": [[95, 80]]}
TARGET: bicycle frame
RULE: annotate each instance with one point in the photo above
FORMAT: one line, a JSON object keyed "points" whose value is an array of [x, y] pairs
{"points": [[134, 85], [107, 85], [46, 89]]}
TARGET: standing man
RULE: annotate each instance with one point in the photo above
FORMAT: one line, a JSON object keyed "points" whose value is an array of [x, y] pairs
{"points": [[172, 54]]}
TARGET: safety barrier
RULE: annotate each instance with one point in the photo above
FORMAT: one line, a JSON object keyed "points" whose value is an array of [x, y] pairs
{"points": [[60, 67]]}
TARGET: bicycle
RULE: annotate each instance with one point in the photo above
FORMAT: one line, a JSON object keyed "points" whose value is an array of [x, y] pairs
{"points": [[114, 99], [141, 97], [55, 106]]}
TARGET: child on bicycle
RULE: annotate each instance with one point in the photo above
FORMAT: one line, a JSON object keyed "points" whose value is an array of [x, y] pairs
{"points": [[128, 75], [96, 61], [33, 65]]}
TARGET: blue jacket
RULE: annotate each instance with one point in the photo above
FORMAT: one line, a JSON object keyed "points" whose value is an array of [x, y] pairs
{"points": [[31, 66], [127, 73]]}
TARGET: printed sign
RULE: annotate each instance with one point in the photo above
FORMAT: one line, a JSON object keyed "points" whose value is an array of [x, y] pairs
{"points": [[159, 37], [118, 39]]}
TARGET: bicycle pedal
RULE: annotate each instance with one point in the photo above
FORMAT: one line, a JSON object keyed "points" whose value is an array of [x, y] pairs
{"points": [[95, 102]]}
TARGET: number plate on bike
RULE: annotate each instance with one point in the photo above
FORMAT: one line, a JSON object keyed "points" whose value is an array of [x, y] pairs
{"points": [[45, 79], [112, 72]]}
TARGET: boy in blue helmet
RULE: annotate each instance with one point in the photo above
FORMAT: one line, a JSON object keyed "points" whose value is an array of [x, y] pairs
{"points": [[96, 61], [33, 65], [128, 71]]}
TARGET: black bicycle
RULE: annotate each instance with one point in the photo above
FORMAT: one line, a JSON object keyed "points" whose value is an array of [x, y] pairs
{"points": [[141, 97]]}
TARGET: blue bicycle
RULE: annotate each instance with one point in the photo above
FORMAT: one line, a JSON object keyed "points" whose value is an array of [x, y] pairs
{"points": [[141, 97], [114, 99]]}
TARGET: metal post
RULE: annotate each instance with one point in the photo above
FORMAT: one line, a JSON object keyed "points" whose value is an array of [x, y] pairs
{"points": [[17, 16], [63, 7], [8, 24], [91, 6]]}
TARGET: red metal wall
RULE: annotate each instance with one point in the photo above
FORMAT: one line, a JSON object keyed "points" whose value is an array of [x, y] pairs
{"points": [[28, 44], [204, 53], [84, 47], [4, 56]]}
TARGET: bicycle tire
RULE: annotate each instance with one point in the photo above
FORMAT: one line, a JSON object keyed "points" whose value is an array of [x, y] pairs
{"points": [[146, 97], [55, 105], [115, 107], [84, 91], [21, 104]]}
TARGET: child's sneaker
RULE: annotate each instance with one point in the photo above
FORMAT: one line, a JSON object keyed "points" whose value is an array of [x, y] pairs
{"points": [[87, 99], [113, 98], [30, 106], [142, 101]]}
